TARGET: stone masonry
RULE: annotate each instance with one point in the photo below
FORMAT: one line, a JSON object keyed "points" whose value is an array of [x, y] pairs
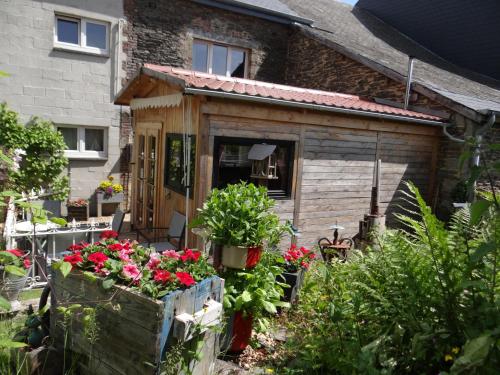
{"points": [[162, 32]]}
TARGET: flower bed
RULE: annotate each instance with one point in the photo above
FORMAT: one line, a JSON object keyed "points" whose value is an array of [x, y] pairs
{"points": [[138, 294]]}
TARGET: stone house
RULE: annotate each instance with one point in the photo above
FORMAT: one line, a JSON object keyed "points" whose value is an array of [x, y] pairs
{"points": [[64, 65]]}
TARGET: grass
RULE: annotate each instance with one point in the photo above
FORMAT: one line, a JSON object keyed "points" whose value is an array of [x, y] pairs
{"points": [[30, 294]]}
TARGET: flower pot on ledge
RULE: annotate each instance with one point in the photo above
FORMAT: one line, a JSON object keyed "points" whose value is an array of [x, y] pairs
{"points": [[78, 213], [105, 199], [239, 257]]}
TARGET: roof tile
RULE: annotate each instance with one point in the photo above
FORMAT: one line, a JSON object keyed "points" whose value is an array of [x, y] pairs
{"points": [[274, 91]]}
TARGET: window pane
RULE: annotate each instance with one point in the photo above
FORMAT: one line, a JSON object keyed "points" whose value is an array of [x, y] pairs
{"points": [[67, 31], [200, 56], [219, 60], [70, 136], [94, 140], [237, 68], [96, 35], [174, 162]]}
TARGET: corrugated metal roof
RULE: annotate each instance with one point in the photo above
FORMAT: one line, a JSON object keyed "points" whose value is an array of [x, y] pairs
{"points": [[261, 89]]}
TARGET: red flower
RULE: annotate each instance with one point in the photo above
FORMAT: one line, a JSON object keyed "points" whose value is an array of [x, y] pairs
{"points": [[107, 234], [74, 259], [26, 263], [162, 276], [185, 278], [190, 255], [18, 253], [115, 247], [98, 258], [75, 247]]}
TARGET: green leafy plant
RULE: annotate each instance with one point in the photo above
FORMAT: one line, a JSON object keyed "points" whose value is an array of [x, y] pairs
{"points": [[43, 146], [255, 291], [425, 302], [238, 215]]}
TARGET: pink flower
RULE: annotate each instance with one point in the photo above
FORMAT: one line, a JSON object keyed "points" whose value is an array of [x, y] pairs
{"points": [[185, 278], [98, 258], [123, 255], [171, 254], [101, 271], [154, 260], [130, 271], [162, 276], [26, 263], [18, 253]]}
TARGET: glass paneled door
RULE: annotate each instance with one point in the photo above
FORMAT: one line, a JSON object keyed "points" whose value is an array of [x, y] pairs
{"points": [[146, 141]]}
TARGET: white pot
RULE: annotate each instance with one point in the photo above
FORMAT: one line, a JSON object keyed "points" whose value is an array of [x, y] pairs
{"points": [[240, 257]]}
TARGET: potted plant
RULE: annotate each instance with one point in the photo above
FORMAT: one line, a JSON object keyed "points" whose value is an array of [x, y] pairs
{"points": [[14, 266], [239, 219], [150, 297], [249, 297], [295, 261], [110, 191], [78, 209]]}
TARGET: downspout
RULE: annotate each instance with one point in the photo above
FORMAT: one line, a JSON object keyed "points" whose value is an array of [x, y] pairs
{"points": [[409, 78], [477, 144]]}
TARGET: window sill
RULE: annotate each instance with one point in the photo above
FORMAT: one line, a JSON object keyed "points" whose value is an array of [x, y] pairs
{"points": [[83, 156], [81, 50]]}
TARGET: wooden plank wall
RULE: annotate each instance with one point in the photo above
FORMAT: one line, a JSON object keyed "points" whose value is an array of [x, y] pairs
{"points": [[168, 200], [338, 170]]}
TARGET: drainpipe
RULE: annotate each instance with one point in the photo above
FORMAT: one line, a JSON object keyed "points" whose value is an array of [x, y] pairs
{"points": [[477, 144], [408, 82]]}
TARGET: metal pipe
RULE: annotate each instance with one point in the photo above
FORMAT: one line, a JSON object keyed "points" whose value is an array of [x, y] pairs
{"points": [[318, 107], [408, 82]]}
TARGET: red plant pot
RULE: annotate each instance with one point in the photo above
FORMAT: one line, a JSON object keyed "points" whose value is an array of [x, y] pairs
{"points": [[239, 257], [242, 331]]}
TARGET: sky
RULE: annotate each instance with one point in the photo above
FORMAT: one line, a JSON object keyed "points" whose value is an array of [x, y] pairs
{"points": [[352, 2]]}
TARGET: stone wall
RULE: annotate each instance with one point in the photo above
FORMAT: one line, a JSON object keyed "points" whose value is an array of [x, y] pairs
{"points": [[162, 32], [311, 64]]}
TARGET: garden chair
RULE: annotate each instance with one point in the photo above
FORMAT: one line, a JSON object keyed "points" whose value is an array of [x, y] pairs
{"points": [[174, 234]]}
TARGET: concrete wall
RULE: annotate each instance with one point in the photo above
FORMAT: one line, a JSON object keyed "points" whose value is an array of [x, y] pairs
{"points": [[63, 86]]}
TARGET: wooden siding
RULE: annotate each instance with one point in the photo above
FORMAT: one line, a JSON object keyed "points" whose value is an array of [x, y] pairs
{"points": [[168, 200], [333, 162]]}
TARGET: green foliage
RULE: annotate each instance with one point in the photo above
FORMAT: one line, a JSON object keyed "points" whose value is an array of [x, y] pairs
{"points": [[255, 291], [44, 161], [11, 131], [427, 302], [239, 215]]}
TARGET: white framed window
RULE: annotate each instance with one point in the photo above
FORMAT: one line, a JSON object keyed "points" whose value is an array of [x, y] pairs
{"points": [[219, 59], [81, 35], [84, 142]]}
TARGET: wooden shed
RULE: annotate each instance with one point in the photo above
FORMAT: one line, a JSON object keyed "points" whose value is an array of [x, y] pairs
{"points": [[325, 148]]}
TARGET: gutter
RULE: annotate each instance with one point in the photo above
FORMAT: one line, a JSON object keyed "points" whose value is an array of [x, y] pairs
{"points": [[255, 11], [318, 107]]}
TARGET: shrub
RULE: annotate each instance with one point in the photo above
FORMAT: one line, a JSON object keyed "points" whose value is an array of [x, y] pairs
{"points": [[44, 162], [427, 302]]}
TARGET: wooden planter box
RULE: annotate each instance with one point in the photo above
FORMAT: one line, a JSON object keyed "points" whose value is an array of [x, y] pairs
{"points": [[78, 213], [116, 199], [133, 328]]}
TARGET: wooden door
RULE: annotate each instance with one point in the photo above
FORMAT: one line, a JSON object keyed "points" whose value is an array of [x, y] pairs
{"points": [[146, 174]]}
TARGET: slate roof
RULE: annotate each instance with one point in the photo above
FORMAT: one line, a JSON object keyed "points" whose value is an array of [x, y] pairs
{"points": [[261, 89], [274, 8], [369, 40]]}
